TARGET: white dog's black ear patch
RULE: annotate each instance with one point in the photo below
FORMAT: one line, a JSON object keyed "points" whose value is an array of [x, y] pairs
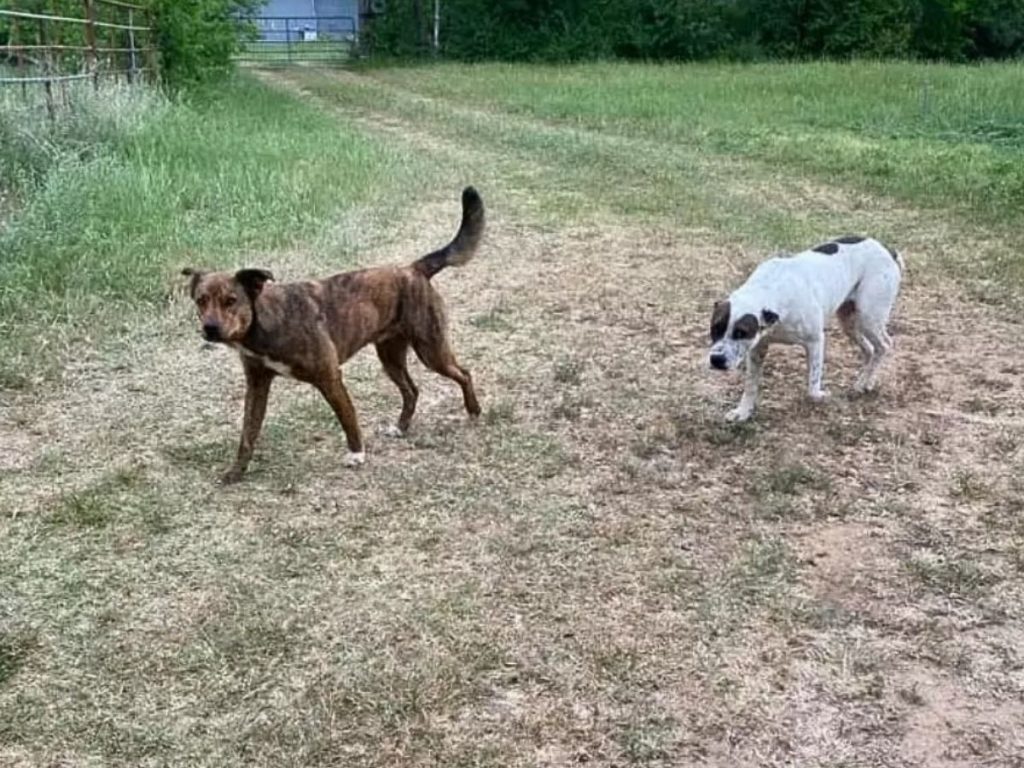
{"points": [[829, 249], [720, 320], [768, 317]]}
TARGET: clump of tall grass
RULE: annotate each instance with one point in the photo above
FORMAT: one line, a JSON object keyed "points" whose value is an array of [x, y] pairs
{"points": [[117, 194], [83, 122]]}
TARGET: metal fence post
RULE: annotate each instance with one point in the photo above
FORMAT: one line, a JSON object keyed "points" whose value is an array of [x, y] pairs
{"points": [[437, 27], [288, 38]]}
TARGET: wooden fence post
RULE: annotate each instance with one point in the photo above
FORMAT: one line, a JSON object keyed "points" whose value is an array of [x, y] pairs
{"points": [[131, 46], [41, 37], [112, 63], [13, 41], [151, 60], [90, 40], [61, 56]]}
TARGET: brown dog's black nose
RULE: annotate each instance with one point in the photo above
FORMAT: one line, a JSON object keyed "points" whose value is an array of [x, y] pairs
{"points": [[718, 362], [211, 332]]}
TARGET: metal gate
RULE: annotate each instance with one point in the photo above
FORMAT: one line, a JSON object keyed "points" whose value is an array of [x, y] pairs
{"points": [[283, 40]]}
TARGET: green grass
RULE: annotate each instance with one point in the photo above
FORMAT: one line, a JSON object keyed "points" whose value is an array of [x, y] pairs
{"points": [[313, 51], [106, 223], [701, 145], [925, 133]]}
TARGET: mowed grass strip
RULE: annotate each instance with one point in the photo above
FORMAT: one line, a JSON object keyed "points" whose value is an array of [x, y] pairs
{"points": [[932, 134], [699, 147], [705, 155], [103, 225]]}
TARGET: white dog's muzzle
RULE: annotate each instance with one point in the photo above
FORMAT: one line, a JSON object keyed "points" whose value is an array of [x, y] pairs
{"points": [[726, 355]]}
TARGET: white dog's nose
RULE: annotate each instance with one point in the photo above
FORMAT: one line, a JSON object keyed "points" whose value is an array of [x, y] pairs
{"points": [[718, 362]]}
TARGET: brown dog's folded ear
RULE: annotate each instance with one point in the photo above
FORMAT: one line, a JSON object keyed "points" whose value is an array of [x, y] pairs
{"points": [[253, 280], [195, 275]]}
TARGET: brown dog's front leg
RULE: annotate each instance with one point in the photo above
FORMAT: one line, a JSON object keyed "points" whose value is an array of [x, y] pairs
{"points": [[257, 389], [335, 393]]}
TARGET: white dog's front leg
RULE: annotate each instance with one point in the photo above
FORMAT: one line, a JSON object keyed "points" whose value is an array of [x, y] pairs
{"points": [[816, 369], [751, 386]]}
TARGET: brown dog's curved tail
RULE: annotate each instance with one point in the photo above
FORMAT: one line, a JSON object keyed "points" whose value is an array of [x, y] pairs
{"points": [[467, 239]]}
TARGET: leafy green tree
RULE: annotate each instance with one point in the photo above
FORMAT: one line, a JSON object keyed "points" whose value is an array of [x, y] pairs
{"points": [[703, 29], [996, 28], [197, 38]]}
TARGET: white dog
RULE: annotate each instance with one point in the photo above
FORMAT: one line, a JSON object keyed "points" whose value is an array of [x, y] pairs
{"points": [[788, 300]]}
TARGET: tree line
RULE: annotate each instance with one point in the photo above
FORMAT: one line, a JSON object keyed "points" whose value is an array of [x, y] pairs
{"points": [[565, 30]]}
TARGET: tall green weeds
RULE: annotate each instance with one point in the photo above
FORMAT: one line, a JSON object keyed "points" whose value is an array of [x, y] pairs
{"points": [[116, 192]]}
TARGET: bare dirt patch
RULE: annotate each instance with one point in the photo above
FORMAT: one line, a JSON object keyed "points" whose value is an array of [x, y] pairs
{"points": [[948, 727]]}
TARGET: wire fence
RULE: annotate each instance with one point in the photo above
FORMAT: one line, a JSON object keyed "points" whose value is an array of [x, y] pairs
{"points": [[50, 43]]}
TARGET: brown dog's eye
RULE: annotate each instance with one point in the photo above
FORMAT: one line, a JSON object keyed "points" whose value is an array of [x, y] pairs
{"points": [[202, 301], [230, 301]]}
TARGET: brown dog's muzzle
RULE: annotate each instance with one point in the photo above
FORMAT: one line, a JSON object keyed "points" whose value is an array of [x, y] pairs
{"points": [[211, 331]]}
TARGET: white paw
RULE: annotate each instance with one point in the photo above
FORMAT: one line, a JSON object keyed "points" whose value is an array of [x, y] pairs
{"points": [[355, 459], [739, 414], [863, 387], [391, 430], [820, 396]]}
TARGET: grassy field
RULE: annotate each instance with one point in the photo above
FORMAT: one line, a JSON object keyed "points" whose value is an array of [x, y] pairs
{"points": [[930, 134], [600, 571], [323, 52], [125, 187]]}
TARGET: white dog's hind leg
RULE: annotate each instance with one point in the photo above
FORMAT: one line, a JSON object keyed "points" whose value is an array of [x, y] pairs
{"points": [[850, 322], [751, 385], [816, 369], [879, 338], [874, 300], [850, 319]]}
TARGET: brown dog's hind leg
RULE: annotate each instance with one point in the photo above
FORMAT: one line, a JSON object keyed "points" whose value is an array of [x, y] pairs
{"points": [[257, 389], [438, 357], [392, 354], [333, 390]]}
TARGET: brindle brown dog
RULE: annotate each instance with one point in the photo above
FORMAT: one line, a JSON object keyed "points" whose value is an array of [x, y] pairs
{"points": [[307, 330]]}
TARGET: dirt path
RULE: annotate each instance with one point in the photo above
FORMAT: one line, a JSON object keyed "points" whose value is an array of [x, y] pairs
{"points": [[600, 571]]}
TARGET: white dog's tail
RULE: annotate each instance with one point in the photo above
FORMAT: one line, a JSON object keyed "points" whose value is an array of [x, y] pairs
{"points": [[899, 261], [896, 256]]}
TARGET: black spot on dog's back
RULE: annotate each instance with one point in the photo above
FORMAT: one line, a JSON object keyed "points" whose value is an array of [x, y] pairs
{"points": [[829, 249], [850, 239], [891, 253]]}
